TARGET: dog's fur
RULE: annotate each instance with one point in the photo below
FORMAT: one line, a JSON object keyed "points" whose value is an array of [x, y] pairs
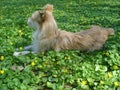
{"points": [[47, 36]]}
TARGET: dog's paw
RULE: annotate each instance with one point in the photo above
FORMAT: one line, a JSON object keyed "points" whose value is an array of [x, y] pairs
{"points": [[16, 54], [21, 53]]}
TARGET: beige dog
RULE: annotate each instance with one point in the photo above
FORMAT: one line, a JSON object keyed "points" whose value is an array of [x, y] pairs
{"points": [[47, 36]]}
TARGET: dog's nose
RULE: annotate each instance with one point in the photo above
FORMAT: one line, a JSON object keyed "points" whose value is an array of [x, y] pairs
{"points": [[29, 21]]}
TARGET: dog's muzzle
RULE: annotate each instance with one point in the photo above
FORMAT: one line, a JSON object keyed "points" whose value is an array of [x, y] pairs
{"points": [[29, 22]]}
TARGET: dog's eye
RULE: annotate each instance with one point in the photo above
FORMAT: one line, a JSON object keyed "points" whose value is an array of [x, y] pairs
{"points": [[41, 14]]}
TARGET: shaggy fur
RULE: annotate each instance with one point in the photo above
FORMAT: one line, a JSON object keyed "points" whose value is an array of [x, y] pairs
{"points": [[47, 36]]}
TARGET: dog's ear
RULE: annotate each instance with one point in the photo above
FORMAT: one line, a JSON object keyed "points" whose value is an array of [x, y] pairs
{"points": [[48, 7]]}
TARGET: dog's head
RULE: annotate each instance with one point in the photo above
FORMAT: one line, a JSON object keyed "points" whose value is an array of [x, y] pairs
{"points": [[38, 17]]}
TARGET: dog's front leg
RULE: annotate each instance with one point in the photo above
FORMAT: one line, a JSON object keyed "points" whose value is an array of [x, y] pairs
{"points": [[22, 53], [28, 48]]}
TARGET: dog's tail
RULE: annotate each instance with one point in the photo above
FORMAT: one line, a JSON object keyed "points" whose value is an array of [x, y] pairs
{"points": [[110, 31]]}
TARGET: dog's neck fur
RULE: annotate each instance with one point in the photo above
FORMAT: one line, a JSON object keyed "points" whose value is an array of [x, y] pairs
{"points": [[49, 26]]}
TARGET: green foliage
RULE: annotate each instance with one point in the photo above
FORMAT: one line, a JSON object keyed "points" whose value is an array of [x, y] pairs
{"points": [[66, 70]]}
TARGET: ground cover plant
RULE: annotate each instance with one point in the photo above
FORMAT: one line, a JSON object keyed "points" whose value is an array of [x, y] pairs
{"points": [[66, 70]]}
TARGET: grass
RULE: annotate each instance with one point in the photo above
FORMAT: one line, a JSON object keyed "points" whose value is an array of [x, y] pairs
{"points": [[66, 70]]}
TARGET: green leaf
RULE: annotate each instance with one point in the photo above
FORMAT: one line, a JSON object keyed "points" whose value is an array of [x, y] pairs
{"points": [[3, 87], [50, 85]]}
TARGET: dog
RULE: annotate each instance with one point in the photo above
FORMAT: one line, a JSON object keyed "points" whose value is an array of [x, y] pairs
{"points": [[47, 35]]}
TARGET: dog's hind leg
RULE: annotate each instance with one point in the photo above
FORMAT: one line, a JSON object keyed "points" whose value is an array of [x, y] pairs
{"points": [[96, 46]]}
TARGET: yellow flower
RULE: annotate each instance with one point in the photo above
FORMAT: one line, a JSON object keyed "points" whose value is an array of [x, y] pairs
{"points": [[58, 62], [68, 58], [79, 81], [20, 32], [11, 43], [84, 82], [107, 54], [40, 66], [55, 76], [119, 33], [115, 67], [44, 75], [39, 77], [33, 63], [101, 82], [65, 57], [8, 49], [2, 58], [65, 70], [2, 71], [21, 48], [110, 75], [116, 84]]}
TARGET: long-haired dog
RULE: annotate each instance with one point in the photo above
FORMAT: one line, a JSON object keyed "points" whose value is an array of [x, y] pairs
{"points": [[47, 36]]}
